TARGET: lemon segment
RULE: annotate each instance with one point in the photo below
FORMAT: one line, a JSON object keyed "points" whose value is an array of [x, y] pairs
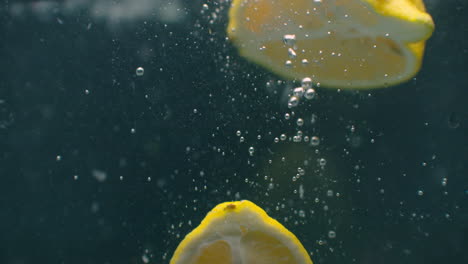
{"points": [[240, 233], [339, 43]]}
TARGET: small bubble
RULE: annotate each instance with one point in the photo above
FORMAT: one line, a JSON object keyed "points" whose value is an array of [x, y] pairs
{"points": [[306, 83], [330, 193], [195, 111], [322, 162], [241, 139], [293, 101], [287, 116], [302, 213], [238, 133], [420, 193], [205, 7], [99, 175], [301, 171], [300, 122], [444, 182], [299, 91], [251, 151], [75, 177], [309, 94], [304, 62], [288, 63], [291, 53], [331, 234], [454, 120], [276, 140], [145, 259], [58, 158], [140, 71], [283, 137], [132, 130], [314, 141], [289, 39], [313, 119]]}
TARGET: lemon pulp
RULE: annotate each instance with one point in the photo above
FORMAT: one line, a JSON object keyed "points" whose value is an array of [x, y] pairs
{"points": [[240, 233], [339, 43]]}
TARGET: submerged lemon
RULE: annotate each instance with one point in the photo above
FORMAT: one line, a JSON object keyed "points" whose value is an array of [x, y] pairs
{"points": [[339, 43], [240, 233]]}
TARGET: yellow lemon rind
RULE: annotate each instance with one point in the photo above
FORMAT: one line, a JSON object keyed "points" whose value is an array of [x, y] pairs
{"points": [[256, 217], [414, 15]]}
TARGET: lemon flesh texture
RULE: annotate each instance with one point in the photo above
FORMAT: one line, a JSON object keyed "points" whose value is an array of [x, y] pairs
{"points": [[240, 233], [347, 43]]}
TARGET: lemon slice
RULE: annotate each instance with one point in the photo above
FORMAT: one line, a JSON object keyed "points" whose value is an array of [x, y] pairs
{"points": [[339, 43], [240, 233]]}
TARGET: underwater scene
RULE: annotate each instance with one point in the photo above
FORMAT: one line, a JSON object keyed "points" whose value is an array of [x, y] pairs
{"points": [[233, 131]]}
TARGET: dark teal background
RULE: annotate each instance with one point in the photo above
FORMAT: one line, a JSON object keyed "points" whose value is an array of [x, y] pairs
{"points": [[47, 216]]}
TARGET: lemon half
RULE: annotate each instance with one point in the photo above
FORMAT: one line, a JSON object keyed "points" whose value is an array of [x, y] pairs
{"points": [[240, 233], [339, 43]]}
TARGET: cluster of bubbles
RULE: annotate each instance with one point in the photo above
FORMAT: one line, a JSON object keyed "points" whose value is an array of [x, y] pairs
{"points": [[305, 90]]}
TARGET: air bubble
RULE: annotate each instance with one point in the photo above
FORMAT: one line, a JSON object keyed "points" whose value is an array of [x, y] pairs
{"points": [[322, 162], [331, 234], [301, 171], [300, 122], [283, 137], [289, 39], [251, 151], [309, 94], [291, 53], [306, 83], [140, 71], [444, 182], [302, 213], [293, 101], [299, 91], [288, 63], [314, 141]]}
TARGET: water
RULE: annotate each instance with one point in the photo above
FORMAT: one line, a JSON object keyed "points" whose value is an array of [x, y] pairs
{"points": [[100, 163]]}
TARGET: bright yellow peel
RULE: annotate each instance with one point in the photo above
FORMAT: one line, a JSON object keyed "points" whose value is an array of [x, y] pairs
{"points": [[240, 233], [339, 43]]}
